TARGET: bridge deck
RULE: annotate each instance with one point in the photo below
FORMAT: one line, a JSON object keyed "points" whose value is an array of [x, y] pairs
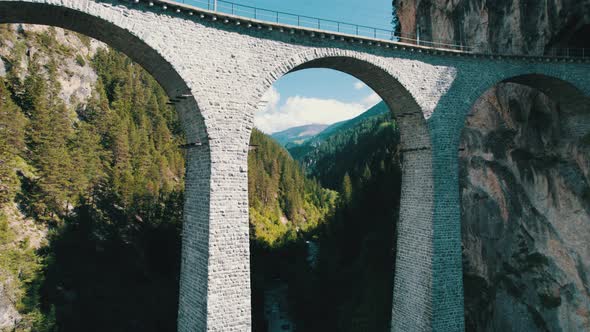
{"points": [[257, 18]]}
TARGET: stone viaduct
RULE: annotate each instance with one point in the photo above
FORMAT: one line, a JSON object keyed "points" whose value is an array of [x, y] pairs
{"points": [[215, 69]]}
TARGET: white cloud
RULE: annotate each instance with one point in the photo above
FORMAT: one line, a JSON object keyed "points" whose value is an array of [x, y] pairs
{"points": [[299, 111], [371, 100], [359, 85], [270, 99]]}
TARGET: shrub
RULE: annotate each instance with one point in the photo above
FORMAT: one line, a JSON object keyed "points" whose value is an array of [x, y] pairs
{"points": [[80, 60]]}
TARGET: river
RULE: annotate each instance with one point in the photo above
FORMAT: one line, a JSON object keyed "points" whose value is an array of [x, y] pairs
{"points": [[276, 304]]}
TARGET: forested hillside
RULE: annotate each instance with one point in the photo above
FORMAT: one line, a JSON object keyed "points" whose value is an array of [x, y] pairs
{"points": [[283, 201], [286, 208], [351, 287], [327, 143], [91, 191]]}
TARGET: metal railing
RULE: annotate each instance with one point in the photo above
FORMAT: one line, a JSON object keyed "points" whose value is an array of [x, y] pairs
{"points": [[568, 53], [284, 18]]}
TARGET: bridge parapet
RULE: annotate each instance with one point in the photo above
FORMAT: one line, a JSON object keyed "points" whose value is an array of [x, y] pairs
{"points": [[259, 18]]}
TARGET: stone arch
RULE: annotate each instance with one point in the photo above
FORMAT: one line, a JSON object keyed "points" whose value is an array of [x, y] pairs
{"points": [[102, 22], [562, 87], [86, 22], [570, 93], [551, 126], [569, 98], [412, 299], [372, 70]]}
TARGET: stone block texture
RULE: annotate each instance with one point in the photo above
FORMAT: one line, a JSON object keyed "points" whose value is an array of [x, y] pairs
{"points": [[215, 71]]}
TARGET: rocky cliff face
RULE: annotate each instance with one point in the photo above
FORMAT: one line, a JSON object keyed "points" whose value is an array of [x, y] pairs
{"points": [[525, 199], [525, 192], [500, 26], [72, 53]]}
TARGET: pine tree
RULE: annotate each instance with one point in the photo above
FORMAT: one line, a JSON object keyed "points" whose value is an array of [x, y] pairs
{"points": [[366, 175], [49, 133], [12, 138], [90, 159], [346, 189]]}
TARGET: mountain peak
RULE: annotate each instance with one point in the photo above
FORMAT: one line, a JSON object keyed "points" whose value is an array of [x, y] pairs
{"points": [[298, 135]]}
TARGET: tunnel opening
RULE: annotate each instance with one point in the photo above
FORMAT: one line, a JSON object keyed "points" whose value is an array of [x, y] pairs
{"points": [[572, 41], [579, 38]]}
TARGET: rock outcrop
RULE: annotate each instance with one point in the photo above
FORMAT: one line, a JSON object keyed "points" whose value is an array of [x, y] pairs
{"points": [[500, 26], [70, 51], [525, 181], [9, 316]]}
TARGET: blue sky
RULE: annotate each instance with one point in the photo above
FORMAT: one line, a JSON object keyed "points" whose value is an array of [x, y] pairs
{"points": [[319, 95], [309, 96], [374, 13]]}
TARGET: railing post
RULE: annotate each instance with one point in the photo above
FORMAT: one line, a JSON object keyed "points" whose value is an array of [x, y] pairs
{"points": [[374, 32], [298, 20], [338, 26], [254, 13], [318, 23], [357, 30], [232, 8], [208, 4], [277, 17]]}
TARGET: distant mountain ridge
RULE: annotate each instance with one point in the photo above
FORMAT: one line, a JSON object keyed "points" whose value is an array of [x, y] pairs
{"points": [[298, 135], [303, 152], [377, 109], [309, 135]]}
